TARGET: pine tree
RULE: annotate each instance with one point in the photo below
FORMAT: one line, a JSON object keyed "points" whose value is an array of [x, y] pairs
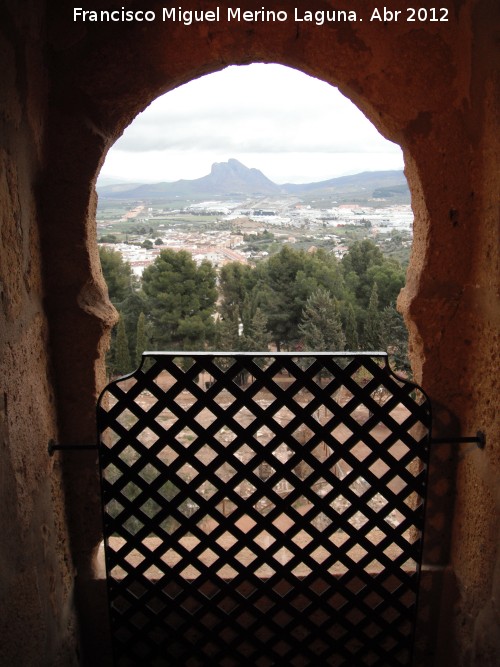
{"points": [[351, 329], [122, 362], [372, 329], [141, 338], [226, 332], [321, 326], [257, 338], [117, 274], [394, 336], [181, 299]]}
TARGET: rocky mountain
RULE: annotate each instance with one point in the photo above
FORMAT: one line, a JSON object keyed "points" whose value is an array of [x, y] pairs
{"points": [[225, 178], [232, 178]]}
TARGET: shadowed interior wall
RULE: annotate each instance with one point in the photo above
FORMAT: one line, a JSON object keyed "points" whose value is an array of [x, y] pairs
{"points": [[69, 90], [37, 618]]}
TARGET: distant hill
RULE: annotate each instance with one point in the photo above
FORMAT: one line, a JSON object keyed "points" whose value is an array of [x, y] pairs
{"points": [[225, 178], [367, 182], [232, 178], [116, 188]]}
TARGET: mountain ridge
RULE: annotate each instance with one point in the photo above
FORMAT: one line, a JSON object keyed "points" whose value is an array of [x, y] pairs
{"points": [[232, 178]]}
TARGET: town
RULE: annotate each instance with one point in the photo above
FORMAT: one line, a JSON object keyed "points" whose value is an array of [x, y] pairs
{"points": [[249, 229]]}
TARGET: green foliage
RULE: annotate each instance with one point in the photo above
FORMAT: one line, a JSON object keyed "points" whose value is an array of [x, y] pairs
{"points": [[130, 309], [181, 298], [226, 333], [265, 236], [372, 331], [256, 336], [108, 238], [281, 286], [394, 338], [117, 274], [236, 281], [142, 338], [121, 363], [120, 281], [293, 298], [350, 328], [286, 280], [362, 256], [389, 278], [321, 326]]}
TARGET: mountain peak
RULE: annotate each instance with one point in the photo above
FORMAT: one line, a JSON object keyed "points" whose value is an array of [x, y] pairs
{"points": [[231, 165], [236, 164], [232, 178]]}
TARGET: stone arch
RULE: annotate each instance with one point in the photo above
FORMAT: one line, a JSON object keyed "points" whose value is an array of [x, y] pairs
{"points": [[413, 86]]}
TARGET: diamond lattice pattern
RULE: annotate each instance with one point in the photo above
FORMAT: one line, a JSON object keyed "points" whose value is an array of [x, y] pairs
{"points": [[263, 508]]}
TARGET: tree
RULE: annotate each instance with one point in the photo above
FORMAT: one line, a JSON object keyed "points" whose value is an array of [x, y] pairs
{"points": [[286, 280], [120, 282], [351, 328], [226, 334], [321, 326], [108, 238], [356, 263], [279, 287], [181, 298], [279, 274], [122, 363], [374, 283], [131, 308], [117, 274], [372, 339], [142, 338], [361, 256], [394, 337], [390, 279], [256, 337], [236, 281]]}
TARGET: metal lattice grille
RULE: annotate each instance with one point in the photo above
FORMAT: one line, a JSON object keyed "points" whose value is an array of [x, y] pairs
{"points": [[263, 509]]}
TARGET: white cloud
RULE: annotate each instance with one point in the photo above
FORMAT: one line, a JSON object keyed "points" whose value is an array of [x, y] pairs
{"points": [[291, 126]]}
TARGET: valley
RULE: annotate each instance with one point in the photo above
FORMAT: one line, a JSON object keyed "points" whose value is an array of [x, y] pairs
{"points": [[237, 214]]}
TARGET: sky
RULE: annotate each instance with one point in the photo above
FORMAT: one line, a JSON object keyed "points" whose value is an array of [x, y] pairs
{"points": [[294, 128]]}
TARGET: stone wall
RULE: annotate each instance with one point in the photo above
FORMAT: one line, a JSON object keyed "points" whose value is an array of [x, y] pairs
{"points": [[431, 87], [37, 620], [453, 309]]}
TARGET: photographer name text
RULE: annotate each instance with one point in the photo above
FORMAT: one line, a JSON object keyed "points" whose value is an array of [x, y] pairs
{"points": [[237, 15]]}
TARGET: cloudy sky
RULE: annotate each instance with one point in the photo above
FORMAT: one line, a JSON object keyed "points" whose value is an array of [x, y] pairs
{"points": [[292, 127]]}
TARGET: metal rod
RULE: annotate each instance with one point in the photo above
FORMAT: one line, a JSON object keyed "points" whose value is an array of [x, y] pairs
{"points": [[286, 355], [479, 439], [53, 447]]}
